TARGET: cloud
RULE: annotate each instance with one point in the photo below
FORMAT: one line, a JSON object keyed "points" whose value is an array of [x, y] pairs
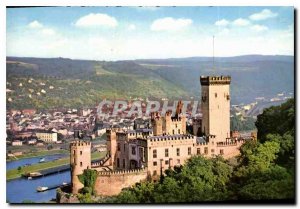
{"points": [[170, 24], [35, 24], [131, 27], [241, 22], [48, 31], [259, 28], [264, 14], [222, 22], [147, 8], [98, 19]]}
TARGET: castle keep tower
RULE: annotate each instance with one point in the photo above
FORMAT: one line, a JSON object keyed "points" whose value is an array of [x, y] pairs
{"points": [[215, 103], [80, 159]]}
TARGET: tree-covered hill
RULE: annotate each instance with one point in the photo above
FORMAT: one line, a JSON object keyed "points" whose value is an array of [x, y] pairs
{"points": [[42, 82]]}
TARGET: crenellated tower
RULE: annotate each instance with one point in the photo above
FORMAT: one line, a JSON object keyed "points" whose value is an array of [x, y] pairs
{"points": [[157, 123], [80, 159], [215, 103]]}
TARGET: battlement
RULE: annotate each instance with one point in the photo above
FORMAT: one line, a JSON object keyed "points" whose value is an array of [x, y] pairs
{"points": [[170, 137], [176, 119], [155, 115], [100, 162], [139, 134], [121, 172], [80, 143], [225, 144], [202, 143], [214, 80]]}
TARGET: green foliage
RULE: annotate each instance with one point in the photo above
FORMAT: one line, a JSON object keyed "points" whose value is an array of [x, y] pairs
{"points": [[85, 198], [286, 155], [200, 179], [277, 120], [239, 124], [273, 183], [88, 179], [278, 124]]}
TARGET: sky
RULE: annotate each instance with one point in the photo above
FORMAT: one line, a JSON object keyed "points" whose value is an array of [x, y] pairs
{"points": [[122, 33]]}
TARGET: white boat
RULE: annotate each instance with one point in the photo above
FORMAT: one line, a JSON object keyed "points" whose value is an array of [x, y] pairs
{"points": [[29, 178], [41, 189], [42, 160]]}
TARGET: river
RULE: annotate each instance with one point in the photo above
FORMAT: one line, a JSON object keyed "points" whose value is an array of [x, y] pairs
{"points": [[22, 189]]}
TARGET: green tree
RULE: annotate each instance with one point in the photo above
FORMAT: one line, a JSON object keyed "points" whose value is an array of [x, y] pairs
{"points": [[276, 120], [88, 179]]}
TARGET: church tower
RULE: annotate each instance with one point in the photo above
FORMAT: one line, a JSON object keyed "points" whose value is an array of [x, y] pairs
{"points": [[215, 104]]}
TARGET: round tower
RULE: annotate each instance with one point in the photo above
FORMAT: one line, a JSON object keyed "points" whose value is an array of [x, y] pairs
{"points": [[80, 159]]}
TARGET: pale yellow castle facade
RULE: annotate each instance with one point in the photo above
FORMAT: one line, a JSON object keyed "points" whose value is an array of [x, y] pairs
{"points": [[139, 155]]}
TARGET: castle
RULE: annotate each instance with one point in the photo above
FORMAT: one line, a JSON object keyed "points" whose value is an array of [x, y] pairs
{"points": [[138, 155]]}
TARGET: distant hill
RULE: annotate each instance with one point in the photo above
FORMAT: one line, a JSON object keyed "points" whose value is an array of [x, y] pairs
{"points": [[56, 82]]}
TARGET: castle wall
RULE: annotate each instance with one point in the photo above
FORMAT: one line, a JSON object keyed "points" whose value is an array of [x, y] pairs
{"points": [[111, 183], [158, 161]]}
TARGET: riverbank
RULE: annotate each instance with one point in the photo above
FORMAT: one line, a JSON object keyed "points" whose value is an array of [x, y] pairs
{"points": [[17, 173], [37, 154]]}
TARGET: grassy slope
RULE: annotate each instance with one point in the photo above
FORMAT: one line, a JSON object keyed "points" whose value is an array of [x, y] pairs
{"points": [[12, 174]]}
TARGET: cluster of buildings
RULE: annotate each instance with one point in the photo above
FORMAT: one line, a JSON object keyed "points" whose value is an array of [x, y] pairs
{"points": [[30, 127], [256, 107], [145, 153]]}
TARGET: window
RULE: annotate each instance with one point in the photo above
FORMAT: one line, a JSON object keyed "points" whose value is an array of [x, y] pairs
{"points": [[178, 151], [124, 163], [80, 152], [189, 151], [167, 162], [212, 150], [133, 151], [118, 162], [154, 173], [216, 95], [176, 125], [178, 131], [154, 153], [221, 151], [205, 150], [198, 151], [118, 146], [154, 163], [178, 161], [173, 131], [166, 152], [80, 164]]}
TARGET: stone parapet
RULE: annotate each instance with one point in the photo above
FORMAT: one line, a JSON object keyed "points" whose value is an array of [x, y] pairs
{"points": [[214, 80]]}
